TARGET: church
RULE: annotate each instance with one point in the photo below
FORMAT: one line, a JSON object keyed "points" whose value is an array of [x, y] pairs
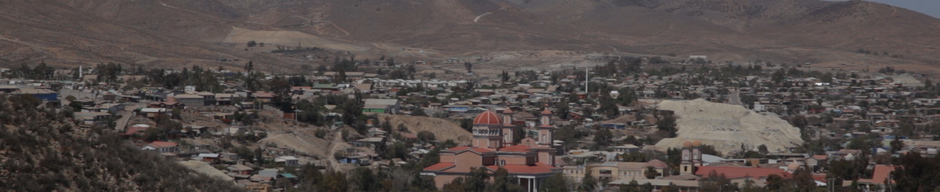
{"points": [[530, 161]]}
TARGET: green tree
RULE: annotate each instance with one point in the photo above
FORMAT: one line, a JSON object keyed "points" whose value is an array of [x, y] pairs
{"points": [[476, 181], [667, 124], [502, 182], [588, 183], [334, 182], [363, 179], [419, 112], [916, 173], [602, 138], [651, 172], [555, 183]]}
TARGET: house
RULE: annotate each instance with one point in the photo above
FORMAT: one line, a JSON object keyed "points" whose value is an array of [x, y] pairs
{"points": [[42, 94], [391, 106], [152, 113], [208, 157], [162, 147], [240, 169], [881, 174], [191, 100], [617, 170], [628, 148], [286, 161], [91, 117]]}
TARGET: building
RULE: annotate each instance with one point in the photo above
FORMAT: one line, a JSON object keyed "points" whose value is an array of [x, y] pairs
{"points": [[287, 161], [42, 94], [613, 171], [191, 100], [162, 147], [381, 106], [691, 157], [531, 161]]}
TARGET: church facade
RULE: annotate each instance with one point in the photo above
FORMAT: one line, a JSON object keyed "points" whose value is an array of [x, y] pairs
{"points": [[530, 161]]}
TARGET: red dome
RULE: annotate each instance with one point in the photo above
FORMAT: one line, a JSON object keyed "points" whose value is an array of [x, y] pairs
{"points": [[508, 111], [487, 118]]}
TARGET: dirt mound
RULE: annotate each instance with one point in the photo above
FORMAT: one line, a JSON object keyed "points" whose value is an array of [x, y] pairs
{"points": [[441, 128], [303, 141], [727, 127]]}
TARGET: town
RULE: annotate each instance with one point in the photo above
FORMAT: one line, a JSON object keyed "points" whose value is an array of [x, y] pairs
{"points": [[628, 124]]}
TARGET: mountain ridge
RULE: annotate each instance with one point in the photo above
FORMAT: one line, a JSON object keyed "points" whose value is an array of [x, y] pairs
{"points": [[178, 32]]}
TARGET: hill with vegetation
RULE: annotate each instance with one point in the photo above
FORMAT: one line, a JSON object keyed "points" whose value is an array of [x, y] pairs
{"points": [[42, 149]]}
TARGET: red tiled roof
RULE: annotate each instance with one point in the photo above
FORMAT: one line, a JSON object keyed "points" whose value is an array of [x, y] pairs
{"points": [[538, 168], [458, 148], [133, 130], [742, 172], [546, 112], [880, 174], [819, 177], [656, 163], [508, 110], [480, 150], [463, 148], [487, 118], [439, 166], [820, 157], [163, 144], [515, 148]]}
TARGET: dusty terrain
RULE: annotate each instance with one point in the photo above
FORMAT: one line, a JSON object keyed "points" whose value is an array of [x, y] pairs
{"points": [[175, 33], [728, 126], [441, 128]]}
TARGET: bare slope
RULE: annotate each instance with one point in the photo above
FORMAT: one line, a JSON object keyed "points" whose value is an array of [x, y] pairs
{"points": [[184, 32], [441, 128], [727, 127]]}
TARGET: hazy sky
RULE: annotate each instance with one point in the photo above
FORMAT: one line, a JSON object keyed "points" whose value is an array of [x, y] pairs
{"points": [[929, 7]]}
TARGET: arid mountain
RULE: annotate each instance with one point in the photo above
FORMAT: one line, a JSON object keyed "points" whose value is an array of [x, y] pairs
{"points": [[181, 32]]}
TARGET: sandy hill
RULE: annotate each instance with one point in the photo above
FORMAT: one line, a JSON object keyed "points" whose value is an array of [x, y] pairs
{"points": [[727, 127], [183, 32], [441, 128]]}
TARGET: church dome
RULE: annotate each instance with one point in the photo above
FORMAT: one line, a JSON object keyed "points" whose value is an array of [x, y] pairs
{"points": [[696, 143], [686, 144], [487, 118]]}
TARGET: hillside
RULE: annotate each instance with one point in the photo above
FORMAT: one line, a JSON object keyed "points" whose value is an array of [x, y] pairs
{"points": [[726, 127], [176, 33], [43, 150], [441, 128]]}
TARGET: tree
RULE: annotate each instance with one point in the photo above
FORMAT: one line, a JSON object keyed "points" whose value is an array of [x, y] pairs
{"points": [[334, 182], [419, 112], [76, 106], [762, 149], [896, 144], [588, 183], [363, 179], [916, 173], [716, 182], [667, 124], [502, 182], [651, 172], [602, 138], [476, 181], [555, 183]]}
